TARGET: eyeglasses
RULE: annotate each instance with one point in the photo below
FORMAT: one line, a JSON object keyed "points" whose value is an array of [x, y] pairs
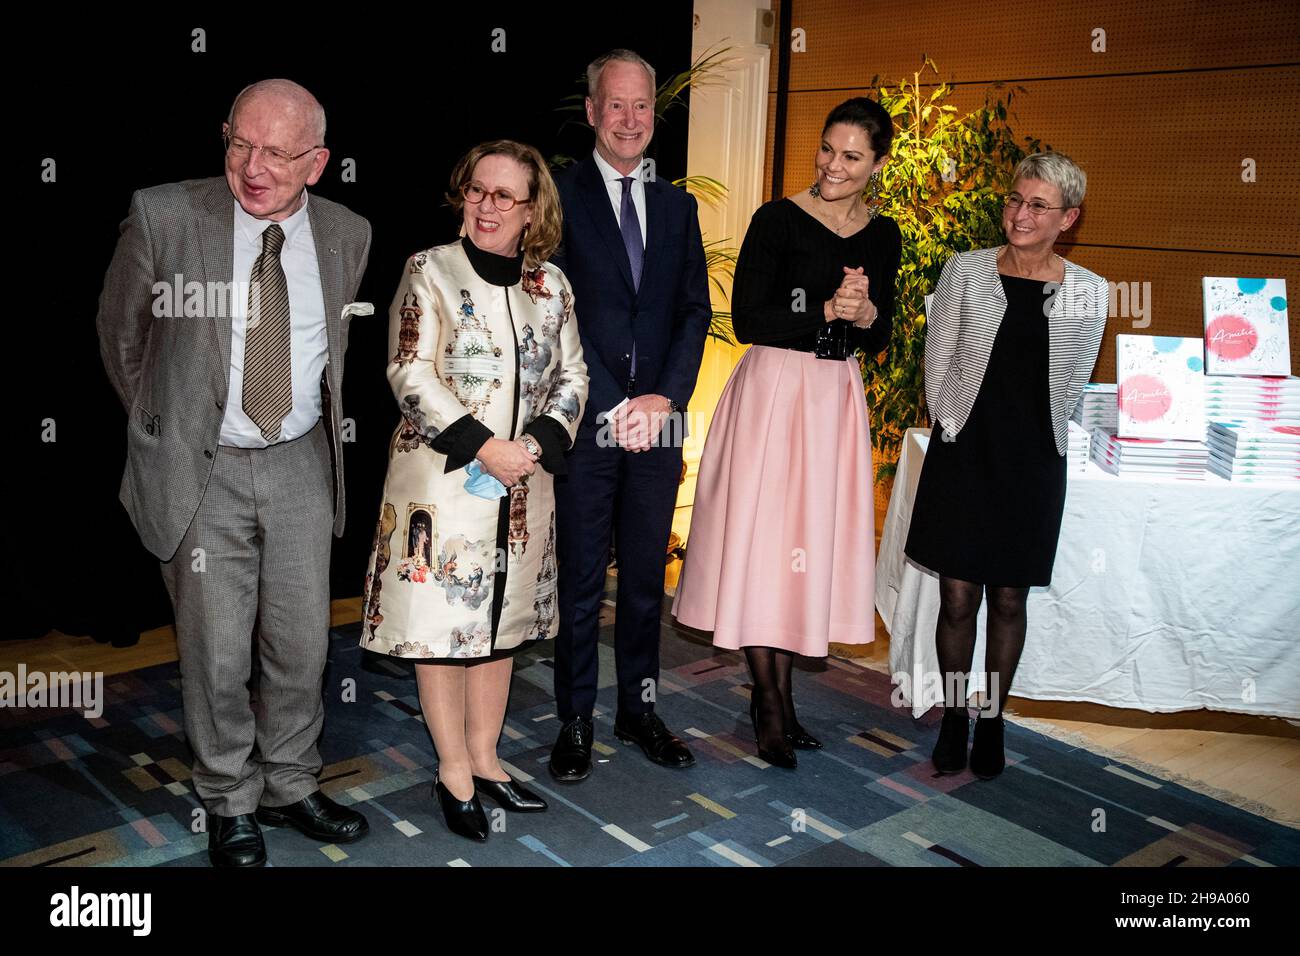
{"points": [[1036, 206], [272, 155], [502, 199]]}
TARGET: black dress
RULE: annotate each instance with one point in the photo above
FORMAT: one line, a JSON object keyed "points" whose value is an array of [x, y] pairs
{"points": [[989, 504]]}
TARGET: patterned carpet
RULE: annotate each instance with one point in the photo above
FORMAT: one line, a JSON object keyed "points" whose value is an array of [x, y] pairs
{"points": [[115, 790]]}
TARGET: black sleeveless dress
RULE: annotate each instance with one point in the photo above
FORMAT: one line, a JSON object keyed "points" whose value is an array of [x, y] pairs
{"points": [[989, 504]]}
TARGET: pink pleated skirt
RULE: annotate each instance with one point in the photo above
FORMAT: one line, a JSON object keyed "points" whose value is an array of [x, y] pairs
{"points": [[781, 550]]}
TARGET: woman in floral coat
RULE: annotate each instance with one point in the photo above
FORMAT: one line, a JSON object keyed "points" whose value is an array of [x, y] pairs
{"points": [[487, 369]]}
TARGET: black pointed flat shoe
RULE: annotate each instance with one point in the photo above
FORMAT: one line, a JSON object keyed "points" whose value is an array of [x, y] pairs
{"points": [[464, 817], [510, 794]]}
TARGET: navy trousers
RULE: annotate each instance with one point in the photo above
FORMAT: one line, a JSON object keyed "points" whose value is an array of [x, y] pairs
{"points": [[612, 495]]}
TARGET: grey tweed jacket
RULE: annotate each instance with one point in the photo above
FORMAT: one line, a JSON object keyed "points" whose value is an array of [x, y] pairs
{"points": [[172, 372], [962, 322]]}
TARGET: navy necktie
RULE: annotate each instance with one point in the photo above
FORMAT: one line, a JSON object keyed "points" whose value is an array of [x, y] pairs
{"points": [[630, 226]]}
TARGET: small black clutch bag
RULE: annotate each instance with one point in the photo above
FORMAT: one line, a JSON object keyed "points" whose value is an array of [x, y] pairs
{"points": [[833, 341]]}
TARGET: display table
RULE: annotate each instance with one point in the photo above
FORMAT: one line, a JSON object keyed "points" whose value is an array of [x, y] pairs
{"points": [[1166, 595]]}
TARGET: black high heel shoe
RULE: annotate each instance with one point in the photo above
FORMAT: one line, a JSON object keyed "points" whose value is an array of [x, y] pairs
{"points": [[464, 817], [509, 794], [801, 739], [781, 758]]}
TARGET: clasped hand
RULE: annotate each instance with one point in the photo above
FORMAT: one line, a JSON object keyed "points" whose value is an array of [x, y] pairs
{"points": [[507, 461], [635, 424], [850, 301]]}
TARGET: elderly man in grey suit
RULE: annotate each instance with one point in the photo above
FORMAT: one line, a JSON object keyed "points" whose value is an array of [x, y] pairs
{"points": [[222, 326]]}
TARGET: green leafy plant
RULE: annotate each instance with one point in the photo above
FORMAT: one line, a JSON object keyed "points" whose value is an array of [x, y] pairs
{"points": [[943, 185]]}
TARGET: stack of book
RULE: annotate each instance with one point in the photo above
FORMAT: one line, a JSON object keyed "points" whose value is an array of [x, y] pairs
{"points": [[1076, 453], [1252, 398], [1153, 457], [1254, 453], [1097, 407]]}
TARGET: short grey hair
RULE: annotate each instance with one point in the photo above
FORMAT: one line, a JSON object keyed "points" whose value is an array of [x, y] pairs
{"points": [[598, 65], [1058, 170], [299, 98]]}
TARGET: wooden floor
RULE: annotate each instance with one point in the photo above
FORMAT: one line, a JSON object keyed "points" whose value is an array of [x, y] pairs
{"points": [[1252, 762]]}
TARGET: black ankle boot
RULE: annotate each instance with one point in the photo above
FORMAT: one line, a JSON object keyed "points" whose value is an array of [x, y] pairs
{"points": [[987, 759], [950, 750]]}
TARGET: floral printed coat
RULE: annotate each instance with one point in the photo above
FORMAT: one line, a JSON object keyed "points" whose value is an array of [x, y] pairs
{"points": [[453, 575]]}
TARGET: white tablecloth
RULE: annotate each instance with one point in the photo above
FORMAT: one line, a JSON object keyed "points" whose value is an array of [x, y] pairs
{"points": [[1165, 596]]}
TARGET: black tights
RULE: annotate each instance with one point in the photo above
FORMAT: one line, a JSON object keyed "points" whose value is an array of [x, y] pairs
{"points": [[954, 637], [770, 669]]}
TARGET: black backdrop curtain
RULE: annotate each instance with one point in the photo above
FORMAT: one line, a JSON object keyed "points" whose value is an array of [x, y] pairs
{"points": [[125, 103]]}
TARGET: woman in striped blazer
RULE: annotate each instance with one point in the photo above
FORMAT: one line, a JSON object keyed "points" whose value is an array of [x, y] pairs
{"points": [[1012, 337]]}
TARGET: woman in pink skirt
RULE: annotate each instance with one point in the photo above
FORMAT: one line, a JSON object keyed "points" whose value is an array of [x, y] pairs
{"points": [[781, 556]]}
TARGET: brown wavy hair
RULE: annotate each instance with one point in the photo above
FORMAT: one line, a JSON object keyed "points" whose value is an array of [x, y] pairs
{"points": [[542, 237]]}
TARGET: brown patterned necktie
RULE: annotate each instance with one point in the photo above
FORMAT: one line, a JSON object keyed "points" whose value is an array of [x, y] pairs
{"points": [[268, 380]]}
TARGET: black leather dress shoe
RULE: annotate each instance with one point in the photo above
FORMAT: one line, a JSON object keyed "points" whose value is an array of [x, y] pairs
{"points": [[235, 841], [509, 794], [658, 743], [318, 817], [571, 755], [464, 817]]}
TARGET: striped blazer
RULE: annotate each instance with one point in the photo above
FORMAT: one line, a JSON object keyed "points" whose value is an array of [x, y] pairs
{"points": [[964, 315]]}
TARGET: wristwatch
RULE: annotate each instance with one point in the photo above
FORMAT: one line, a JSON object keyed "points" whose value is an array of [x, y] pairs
{"points": [[673, 407], [530, 443]]}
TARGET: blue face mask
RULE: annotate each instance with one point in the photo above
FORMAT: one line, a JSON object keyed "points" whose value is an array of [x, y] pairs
{"points": [[481, 484]]}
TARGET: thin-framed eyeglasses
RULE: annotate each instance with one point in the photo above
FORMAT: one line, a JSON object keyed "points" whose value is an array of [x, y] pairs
{"points": [[503, 199], [1036, 206], [273, 155]]}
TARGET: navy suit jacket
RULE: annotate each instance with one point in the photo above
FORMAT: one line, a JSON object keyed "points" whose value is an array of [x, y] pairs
{"points": [[668, 318]]}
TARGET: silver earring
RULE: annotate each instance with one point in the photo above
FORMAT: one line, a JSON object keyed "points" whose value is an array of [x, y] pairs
{"points": [[814, 190]]}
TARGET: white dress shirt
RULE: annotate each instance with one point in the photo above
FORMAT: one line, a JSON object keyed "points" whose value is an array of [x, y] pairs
{"points": [[309, 343], [613, 184]]}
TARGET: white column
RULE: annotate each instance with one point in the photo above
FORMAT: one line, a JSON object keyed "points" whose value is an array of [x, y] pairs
{"points": [[727, 136]]}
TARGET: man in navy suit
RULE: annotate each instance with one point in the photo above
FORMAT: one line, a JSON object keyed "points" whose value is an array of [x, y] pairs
{"points": [[633, 254]]}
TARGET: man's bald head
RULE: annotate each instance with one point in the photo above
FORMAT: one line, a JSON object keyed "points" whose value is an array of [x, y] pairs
{"points": [[275, 148], [291, 98]]}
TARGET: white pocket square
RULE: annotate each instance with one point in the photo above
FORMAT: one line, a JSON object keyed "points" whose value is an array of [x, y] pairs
{"points": [[358, 308]]}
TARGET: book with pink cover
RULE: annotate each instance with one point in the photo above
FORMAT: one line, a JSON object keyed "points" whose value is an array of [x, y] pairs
{"points": [[1161, 387], [1246, 326], [1252, 385]]}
